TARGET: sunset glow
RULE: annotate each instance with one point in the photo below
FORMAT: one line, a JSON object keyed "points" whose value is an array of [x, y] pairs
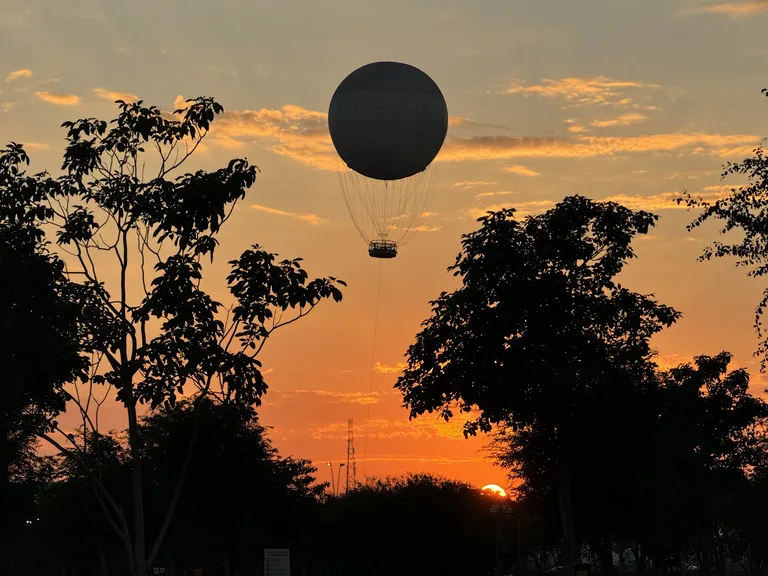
{"points": [[544, 102], [495, 489]]}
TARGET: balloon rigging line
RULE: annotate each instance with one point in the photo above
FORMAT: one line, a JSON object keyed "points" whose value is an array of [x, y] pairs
{"points": [[391, 210], [373, 358]]}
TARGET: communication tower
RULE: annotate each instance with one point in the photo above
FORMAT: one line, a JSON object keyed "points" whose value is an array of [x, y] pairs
{"points": [[351, 467]]}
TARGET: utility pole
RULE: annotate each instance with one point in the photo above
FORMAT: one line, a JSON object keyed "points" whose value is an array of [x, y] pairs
{"points": [[338, 477], [519, 551], [351, 466]]}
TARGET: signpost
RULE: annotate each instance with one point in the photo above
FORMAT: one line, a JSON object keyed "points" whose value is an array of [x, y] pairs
{"points": [[277, 562]]}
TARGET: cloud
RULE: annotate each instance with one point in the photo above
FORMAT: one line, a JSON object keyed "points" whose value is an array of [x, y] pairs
{"points": [[582, 91], [733, 10], [311, 218], [16, 74], [338, 397], [490, 194], [458, 121], [389, 369], [575, 128], [35, 146], [425, 228], [6, 106], [623, 120], [425, 459], [379, 428], [521, 170], [667, 200], [112, 96], [292, 131], [472, 184], [58, 99], [662, 201], [522, 209], [690, 175], [505, 147], [302, 135], [672, 360]]}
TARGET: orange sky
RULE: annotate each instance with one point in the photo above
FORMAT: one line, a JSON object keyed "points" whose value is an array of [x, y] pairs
{"points": [[632, 101]]}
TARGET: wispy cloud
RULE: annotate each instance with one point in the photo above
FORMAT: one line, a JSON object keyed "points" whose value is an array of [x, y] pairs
{"points": [[667, 200], [311, 218], [388, 368], [112, 95], [690, 175], [732, 10], [492, 194], [671, 360], [6, 106], [521, 170], [424, 459], [599, 90], [522, 209], [21, 73], [302, 135], [623, 120], [336, 397], [36, 146], [58, 98], [291, 131], [469, 184], [504, 147], [425, 228], [379, 428]]}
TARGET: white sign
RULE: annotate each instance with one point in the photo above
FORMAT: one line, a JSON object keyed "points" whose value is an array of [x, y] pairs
{"points": [[277, 562]]}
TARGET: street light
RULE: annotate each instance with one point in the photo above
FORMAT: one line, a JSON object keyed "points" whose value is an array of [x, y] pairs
{"points": [[333, 483], [336, 482]]}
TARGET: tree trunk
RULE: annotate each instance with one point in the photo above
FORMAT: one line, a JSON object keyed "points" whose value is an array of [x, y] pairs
{"points": [[639, 560], [6, 520], [606, 556], [566, 517], [227, 562], [103, 563], [139, 536], [706, 553], [621, 548]]}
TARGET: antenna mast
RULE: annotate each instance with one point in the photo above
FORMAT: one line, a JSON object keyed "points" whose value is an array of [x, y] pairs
{"points": [[351, 467]]}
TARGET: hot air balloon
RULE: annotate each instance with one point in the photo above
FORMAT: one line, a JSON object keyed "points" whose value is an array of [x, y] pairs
{"points": [[388, 122]]}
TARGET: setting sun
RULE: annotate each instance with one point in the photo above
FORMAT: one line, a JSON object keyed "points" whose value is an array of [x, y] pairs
{"points": [[495, 488]]}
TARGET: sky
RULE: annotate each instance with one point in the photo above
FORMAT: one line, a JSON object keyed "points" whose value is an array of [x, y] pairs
{"points": [[628, 100]]}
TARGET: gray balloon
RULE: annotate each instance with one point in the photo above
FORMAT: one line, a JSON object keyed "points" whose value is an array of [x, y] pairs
{"points": [[388, 120]]}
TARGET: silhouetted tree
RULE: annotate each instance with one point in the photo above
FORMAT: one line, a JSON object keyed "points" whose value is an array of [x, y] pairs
{"points": [[240, 497], [70, 515], [538, 329], [171, 339], [412, 525], [711, 432], [745, 210], [39, 345]]}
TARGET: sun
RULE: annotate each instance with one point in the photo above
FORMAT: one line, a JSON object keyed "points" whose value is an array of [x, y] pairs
{"points": [[495, 489]]}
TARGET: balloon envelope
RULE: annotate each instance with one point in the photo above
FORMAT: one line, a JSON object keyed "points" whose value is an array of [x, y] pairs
{"points": [[388, 120]]}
